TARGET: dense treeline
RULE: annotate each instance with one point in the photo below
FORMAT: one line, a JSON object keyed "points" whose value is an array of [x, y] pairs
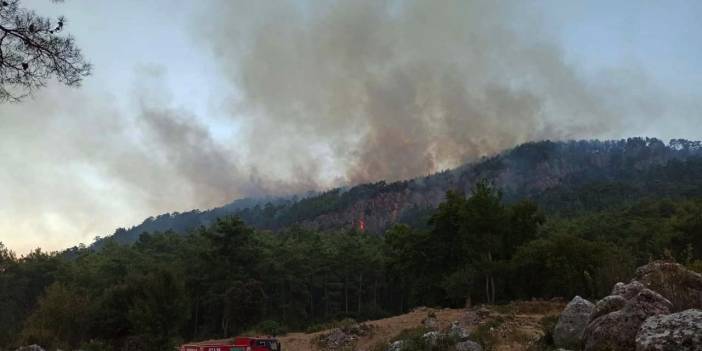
{"points": [[228, 278], [563, 177]]}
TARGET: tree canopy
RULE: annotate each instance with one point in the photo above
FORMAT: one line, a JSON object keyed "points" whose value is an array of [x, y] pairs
{"points": [[34, 49], [227, 278]]}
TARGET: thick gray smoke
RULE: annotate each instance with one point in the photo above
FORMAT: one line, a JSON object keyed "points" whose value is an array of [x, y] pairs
{"points": [[397, 89], [323, 93]]}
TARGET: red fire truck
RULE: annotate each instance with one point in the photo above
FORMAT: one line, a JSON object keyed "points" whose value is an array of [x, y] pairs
{"points": [[238, 344]]}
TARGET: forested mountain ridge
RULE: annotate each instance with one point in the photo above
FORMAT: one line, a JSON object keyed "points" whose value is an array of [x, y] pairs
{"points": [[560, 176], [487, 245]]}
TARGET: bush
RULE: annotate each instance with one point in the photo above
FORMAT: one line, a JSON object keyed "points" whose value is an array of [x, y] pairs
{"points": [[546, 341], [484, 335]]}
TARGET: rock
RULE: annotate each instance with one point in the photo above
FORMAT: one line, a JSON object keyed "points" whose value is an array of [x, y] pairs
{"points": [[468, 346], [396, 346], [337, 339], [572, 322], [680, 331], [30, 348], [458, 332], [607, 305], [432, 337], [357, 329], [676, 283], [627, 291], [617, 330]]}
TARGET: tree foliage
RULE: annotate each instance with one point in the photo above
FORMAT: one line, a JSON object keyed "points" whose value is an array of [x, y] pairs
{"points": [[226, 278], [33, 49]]}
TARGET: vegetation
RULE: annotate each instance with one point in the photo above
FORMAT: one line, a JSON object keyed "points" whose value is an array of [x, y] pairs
{"points": [[415, 340], [227, 277], [563, 178], [32, 50]]}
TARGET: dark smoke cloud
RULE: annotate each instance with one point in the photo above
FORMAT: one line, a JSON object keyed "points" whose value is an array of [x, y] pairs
{"points": [[397, 89]]}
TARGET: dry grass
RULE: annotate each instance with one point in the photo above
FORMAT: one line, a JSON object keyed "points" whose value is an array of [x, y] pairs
{"points": [[511, 327]]}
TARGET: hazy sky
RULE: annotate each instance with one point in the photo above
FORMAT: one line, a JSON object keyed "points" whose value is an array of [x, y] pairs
{"points": [[195, 103]]}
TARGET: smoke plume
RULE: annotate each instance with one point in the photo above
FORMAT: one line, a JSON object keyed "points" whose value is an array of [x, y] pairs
{"points": [[397, 89], [316, 94]]}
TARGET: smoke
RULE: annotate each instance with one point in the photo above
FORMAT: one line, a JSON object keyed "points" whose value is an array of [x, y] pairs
{"points": [[320, 94], [397, 89], [77, 164]]}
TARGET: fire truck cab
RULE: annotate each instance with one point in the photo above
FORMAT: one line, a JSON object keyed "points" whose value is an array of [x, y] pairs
{"points": [[238, 344]]}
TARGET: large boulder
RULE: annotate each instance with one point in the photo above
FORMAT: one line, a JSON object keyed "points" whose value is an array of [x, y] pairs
{"points": [[608, 305], [680, 331], [627, 291], [572, 322], [616, 300], [617, 330], [676, 283]]}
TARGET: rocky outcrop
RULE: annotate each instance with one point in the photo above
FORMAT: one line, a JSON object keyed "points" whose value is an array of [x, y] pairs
{"points": [[344, 337], [337, 339], [617, 330], [455, 335], [458, 332], [608, 305], [682, 287], [680, 331], [627, 291], [572, 322]]}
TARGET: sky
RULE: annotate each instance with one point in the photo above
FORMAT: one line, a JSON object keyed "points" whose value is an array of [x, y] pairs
{"points": [[193, 104]]}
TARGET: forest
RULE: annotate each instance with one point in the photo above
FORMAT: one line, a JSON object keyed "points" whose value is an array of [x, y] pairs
{"points": [[193, 105], [229, 278], [562, 177]]}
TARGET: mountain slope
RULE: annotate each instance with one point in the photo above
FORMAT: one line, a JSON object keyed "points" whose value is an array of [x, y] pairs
{"points": [[561, 176]]}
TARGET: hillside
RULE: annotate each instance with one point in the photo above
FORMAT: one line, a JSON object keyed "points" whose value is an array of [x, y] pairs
{"points": [[230, 278], [560, 176], [513, 327]]}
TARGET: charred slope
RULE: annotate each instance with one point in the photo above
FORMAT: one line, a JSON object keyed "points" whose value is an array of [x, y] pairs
{"points": [[563, 177]]}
